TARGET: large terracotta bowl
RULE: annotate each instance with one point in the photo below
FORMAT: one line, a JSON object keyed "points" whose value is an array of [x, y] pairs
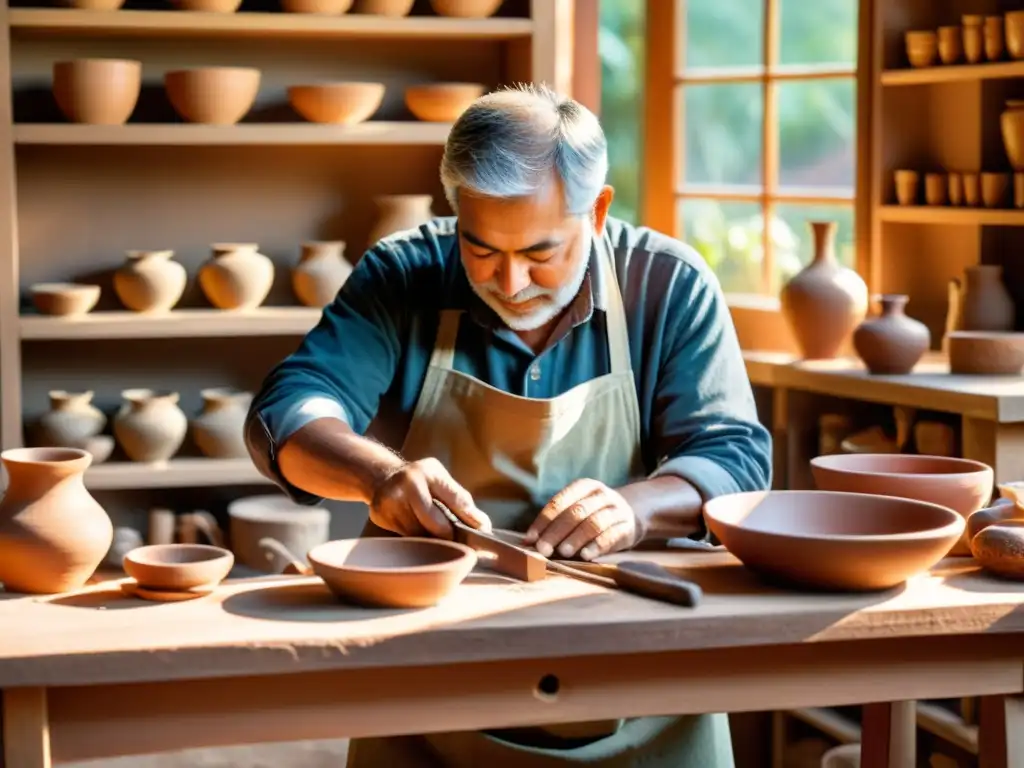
{"points": [[97, 91], [441, 102], [177, 567], [392, 572], [338, 103], [212, 95], [963, 485], [833, 541]]}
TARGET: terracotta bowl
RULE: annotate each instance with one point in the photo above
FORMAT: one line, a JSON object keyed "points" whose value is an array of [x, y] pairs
{"points": [[322, 7], [93, 5], [392, 572], [441, 102], [64, 298], [207, 6], [384, 7], [177, 567], [466, 9], [988, 353], [338, 103], [97, 91], [212, 95], [833, 541]]}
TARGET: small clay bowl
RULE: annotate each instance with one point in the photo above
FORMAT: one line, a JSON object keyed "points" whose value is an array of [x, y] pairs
{"points": [[212, 95], [384, 7], [178, 567], [64, 298], [337, 103], [441, 102], [97, 91], [833, 541], [391, 572], [986, 353], [466, 9], [922, 47]]}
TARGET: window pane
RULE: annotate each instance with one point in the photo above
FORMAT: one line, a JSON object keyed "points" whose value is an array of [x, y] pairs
{"points": [[724, 33], [792, 243], [728, 236], [723, 133], [819, 31], [817, 133]]}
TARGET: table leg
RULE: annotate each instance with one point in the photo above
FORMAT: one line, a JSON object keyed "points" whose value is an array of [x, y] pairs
{"points": [[889, 735], [26, 728], [1001, 446], [1001, 732]]}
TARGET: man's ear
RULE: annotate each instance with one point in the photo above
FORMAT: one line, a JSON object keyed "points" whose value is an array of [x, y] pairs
{"points": [[599, 214]]}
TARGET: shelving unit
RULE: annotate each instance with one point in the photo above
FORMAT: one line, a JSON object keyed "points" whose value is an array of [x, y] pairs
{"points": [[176, 473]]}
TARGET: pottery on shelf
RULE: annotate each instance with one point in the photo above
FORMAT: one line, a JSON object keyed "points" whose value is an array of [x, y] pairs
{"points": [[150, 281], [237, 276], [441, 102], [466, 9], [950, 44], [97, 91], [936, 188], [321, 7], [74, 422], [986, 353], [985, 302], [343, 103], [973, 37], [906, 186], [149, 425], [825, 301], [320, 273], [1011, 125], [64, 299], [952, 311], [53, 533], [994, 38], [217, 430], [212, 95], [384, 7], [125, 540], [922, 47], [397, 213], [297, 527], [993, 189], [891, 343], [207, 6], [93, 5], [1014, 25]]}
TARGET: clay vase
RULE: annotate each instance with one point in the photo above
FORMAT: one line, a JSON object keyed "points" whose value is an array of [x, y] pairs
{"points": [[217, 430], [825, 301], [237, 276], [149, 281], [320, 273], [396, 213], [891, 343], [74, 422], [150, 426], [53, 533], [1011, 123], [985, 304]]}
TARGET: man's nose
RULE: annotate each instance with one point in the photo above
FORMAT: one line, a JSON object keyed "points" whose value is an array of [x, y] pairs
{"points": [[514, 276]]}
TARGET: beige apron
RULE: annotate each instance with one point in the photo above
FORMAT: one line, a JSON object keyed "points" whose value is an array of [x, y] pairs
{"points": [[513, 454]]}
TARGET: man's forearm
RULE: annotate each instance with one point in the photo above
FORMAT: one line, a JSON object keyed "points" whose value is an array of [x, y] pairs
{"points": [[668, 506], [326, 458]]}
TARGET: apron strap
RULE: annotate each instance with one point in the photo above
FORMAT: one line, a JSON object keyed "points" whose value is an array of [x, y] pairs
{"points": [[443, 355], [615, 316]]}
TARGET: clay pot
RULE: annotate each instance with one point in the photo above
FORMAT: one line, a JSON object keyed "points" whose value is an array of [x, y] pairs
{"points": [[397, 213], [384, 7], [994, 37], [825, 301], [297, 527], [972, 190], [150, 426], [236, 276], [74, 422], [320, 273], [922, 47], [1011, 124], [336, 103], [65, 299], [207, 6], [986, 353], [218, 429], [985, 303], [935, 188], [1014, 24], [956, 189], [973, 37], [441, 102], [321, 7], [93, 5], [53, 533], [993, 189], [830, 540], [149, 281], [174, 567], [950, 43], [212, 95], [906, 186], [97, 91], [466, 9], [891, 343]]}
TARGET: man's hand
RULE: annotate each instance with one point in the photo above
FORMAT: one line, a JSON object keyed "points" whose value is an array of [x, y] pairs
{"points": [[403, 502], [587, 517]]}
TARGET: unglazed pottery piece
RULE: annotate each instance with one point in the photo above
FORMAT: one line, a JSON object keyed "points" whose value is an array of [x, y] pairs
{"points": [[65, 299], [53, 533], [935, 188], [177, 567], [320, 273], [93, 5], [466, 9], [906, 186], [322, 7], [1014, 24], [207, 6], [956, 188], [985, 302], [441, 102], [993, 189], [397, 213], [390, 572], [891, 343], [296, 527], [994, 38], [972, 189], [963, 485], [986, 353], [831, 540], [150, 281], [217, 430], [973, 37], [97, 91], [212, 95], [1011, 125], [825, 301], [950, 44], [150, 426], [384, 7], [922, 47], [336, 103], [236, 276], [71, 420]]}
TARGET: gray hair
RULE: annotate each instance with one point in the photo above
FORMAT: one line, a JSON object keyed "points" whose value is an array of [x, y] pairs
{"points": [[506, 144]]}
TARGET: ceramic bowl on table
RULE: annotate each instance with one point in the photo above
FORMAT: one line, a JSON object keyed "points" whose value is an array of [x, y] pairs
{"points": [[828, 540], [178, 567], [388, 572]]}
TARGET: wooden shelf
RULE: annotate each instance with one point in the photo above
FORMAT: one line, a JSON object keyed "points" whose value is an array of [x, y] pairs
{"points": [[267, 26], [953, 73], [246, 134], [180, 323], [938, 214], [176, 473]]}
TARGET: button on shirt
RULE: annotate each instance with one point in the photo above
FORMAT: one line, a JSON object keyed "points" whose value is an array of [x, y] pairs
{"points": [[366, 359]]}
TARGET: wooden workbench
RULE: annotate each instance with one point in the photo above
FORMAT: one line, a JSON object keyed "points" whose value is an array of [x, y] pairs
{"points": [[96, 674]]}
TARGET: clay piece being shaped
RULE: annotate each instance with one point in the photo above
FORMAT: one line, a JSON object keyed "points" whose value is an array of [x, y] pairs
{"points": [[53, 533], [150, 281], [825, 301], [97, 91], [985, 302], [320, 273], [212, 95], [65, 299], [150, 426], [297, 527], [344, 103], [398, 213], [441, 102], [218, 429], [891, 343], [74, 422], [237, 276], [466, 9]]}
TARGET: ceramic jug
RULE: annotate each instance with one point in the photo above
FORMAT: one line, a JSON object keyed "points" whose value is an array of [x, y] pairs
{"points": [[236, 276], [396, 213], [320, 273], [53, 533], [150, 426], [891, 343], [217, 430], [985, 303], [150, 281]]}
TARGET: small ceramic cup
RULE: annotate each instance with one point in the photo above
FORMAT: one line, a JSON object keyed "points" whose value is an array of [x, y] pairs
{"points": [[1018, 190], [993, 188], [1014, 25], [922, 47], [994, 37], [906, 187], [956, 189], [951, 45], [935, 186], [973, 37], [972, 190]]}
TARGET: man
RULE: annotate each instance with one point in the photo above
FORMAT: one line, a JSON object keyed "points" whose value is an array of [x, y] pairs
{"points": [[537, 366]]}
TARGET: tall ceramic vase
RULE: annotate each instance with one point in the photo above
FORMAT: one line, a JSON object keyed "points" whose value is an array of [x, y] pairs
{"points": [[236, 276], [320, 273], [396, 213], [53, 533], [217, 431], [825, 301], [985, 303]]}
